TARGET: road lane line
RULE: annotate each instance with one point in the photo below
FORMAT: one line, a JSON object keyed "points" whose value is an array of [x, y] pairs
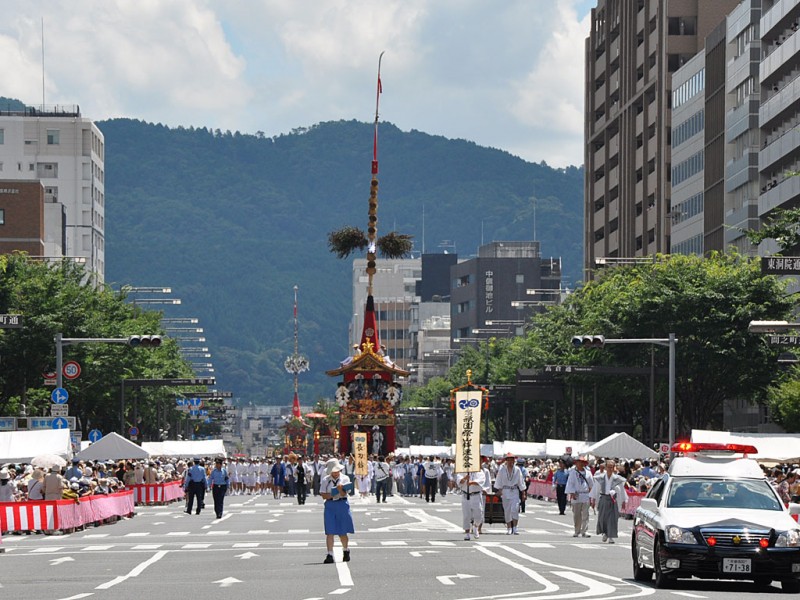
{"points": [[135, 572], [688, 595], [548, 585]]}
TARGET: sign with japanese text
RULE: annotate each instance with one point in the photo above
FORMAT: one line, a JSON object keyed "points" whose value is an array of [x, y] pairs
{"points": [[780, 265], [360, 453], [468, 431]]}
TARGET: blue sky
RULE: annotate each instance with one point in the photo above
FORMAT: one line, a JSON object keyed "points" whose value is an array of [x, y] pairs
{"points": [[507, 74]]}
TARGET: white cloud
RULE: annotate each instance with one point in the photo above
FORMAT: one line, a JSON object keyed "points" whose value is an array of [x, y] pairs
{"points": [[507, 75]]}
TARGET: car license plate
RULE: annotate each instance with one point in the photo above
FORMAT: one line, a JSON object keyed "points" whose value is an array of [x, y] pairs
{"points": [[736, 565]]}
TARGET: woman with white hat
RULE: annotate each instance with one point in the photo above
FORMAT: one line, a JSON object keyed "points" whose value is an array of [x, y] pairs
{"points": [[8, 489], [338, 518]]}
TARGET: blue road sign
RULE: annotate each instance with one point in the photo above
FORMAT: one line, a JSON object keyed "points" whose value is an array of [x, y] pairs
{"points": [[94, 435], [196, 402], [133, 431], [60, 423], [59, 396]]}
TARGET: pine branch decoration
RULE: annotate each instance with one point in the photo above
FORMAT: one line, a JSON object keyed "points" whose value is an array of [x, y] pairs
{"points": [[346, 240], [395, 245]]}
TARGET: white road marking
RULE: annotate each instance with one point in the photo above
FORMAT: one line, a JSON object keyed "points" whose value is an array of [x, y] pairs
{"points": [[437, 543], [247, 545], [299, 531], [342, 570], [246, 555], [339, 591], [394, 543], [688, 595], [195, 546], [218, 532], [147, 547], [46, 550], [548, 586], [538, 545], [137, 534], [227, 582], [594, 587], [179, 533], [295, 544], [78, 596], [135, 572], [63, 559], [258, 531], [97, 548], [448, 579], [95, 535]]}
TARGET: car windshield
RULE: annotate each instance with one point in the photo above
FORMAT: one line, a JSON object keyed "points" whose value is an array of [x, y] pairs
{"points": [[701, 493]]}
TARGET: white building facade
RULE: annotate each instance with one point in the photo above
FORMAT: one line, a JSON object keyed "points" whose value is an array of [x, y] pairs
{"points": [[66, 152]]}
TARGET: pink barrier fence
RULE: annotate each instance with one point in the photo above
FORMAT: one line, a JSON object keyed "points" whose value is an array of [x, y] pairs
{"points": [[157, 493], [548, 492], [61, 515]]}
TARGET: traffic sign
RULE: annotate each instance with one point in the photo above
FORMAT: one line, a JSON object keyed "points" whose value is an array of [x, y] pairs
{"points": [[94, 435], [10, 321], [664, 448], [49, 374], [59, 396], [71, 370], [59, 410], [60, 423], [45, 422], [133, 431]]}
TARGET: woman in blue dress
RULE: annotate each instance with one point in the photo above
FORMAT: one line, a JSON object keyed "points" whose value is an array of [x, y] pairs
{"points": [[278, 473], [338, 518]]}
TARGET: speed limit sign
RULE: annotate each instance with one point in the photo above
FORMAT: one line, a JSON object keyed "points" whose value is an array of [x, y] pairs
{"points": [[71, 370]]}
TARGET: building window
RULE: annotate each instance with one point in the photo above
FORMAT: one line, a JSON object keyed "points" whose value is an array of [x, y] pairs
{"points": [[2, 136], [2, 216], [520, 278], [52, 137]]}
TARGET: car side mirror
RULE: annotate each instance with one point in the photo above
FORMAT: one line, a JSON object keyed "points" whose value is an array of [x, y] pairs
{"points": [[651, 505]]}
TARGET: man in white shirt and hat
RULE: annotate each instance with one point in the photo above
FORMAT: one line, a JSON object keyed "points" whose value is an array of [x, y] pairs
{"points": [[471, 487], [578, 488], [511, 485]]}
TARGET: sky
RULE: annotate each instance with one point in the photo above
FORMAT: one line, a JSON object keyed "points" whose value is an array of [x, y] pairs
{"points": [[505, 74]]}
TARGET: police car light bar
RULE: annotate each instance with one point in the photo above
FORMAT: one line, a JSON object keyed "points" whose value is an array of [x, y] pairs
{"points": [[711, 447]]}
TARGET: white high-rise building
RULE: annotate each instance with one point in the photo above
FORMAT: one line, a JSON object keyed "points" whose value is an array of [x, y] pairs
{"points": [[55, 145]]}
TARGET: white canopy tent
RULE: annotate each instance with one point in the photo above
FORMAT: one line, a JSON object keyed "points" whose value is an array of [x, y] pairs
{"points": [[778, 447], [425, 451], [521, 449], [23, 446], [185, 448], [113, 446], [565, 447], [621, 445]]}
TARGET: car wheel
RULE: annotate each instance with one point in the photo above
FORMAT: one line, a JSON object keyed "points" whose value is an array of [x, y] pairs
{"points": [[790, 586], [640, 573], [662, 579]]}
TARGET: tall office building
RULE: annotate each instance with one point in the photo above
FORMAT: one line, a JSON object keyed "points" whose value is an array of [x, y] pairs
{"points": [[779, 111], [66, 152], [489, 295], [633, 48]]}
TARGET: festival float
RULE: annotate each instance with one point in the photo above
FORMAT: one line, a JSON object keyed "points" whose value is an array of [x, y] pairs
{"points": [[296, 430], [369, 392]]}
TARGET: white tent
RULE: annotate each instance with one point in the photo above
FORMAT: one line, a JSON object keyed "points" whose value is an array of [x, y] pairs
{"points": [[440, 451], [621, 445], [565, 447], [112, 446], [779, 447], [23, 446], [185, 448], [521, 449]]}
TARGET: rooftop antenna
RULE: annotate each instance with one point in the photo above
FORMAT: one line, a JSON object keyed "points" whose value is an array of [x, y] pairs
{"points": [[42, 63]]}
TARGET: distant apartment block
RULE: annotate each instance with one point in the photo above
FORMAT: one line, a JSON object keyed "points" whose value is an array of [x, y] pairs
{"points": [[65, 152], [22, 217], [633, 48]]}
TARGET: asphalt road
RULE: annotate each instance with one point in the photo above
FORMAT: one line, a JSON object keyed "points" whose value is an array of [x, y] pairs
{"points": [[268, 548]]}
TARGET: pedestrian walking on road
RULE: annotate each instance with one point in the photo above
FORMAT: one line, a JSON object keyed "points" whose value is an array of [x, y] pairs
{"points": [[337, 517], [578, 488], [432, 470], [301, 472], [195, 486], [511, 485], [560, 483], [219, 482], [471, 487], [608, 493]]}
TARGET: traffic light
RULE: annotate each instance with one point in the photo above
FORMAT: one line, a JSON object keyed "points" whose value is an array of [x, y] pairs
{"points": [[144, 341], [588, 341]]}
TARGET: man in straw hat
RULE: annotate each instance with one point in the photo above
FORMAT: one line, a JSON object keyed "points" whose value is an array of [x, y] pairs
{"points": [[511, 485], [337, 517], [579, 486]]}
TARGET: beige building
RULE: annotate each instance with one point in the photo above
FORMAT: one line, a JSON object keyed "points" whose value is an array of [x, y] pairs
{"points": [[633, 48]]}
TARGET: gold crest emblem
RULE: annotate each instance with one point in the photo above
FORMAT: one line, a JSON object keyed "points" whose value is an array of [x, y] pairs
{"points": [[737, 540]]}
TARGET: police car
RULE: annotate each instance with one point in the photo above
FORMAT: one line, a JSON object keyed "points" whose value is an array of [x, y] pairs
{"points": [[714, 515]]}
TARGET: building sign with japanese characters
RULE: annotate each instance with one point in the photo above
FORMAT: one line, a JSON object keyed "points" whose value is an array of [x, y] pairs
{"points": [[468, 431], [780, 265], [489, 291]]}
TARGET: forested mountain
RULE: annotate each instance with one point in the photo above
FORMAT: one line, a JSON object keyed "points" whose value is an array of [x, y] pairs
{"points": [[233, 222]]}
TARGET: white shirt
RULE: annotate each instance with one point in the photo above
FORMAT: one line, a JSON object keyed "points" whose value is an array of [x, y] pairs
{"points": [[506, 480], [382, 470], [580, 486], [474, 484], [432, 469], [327, 484]]}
